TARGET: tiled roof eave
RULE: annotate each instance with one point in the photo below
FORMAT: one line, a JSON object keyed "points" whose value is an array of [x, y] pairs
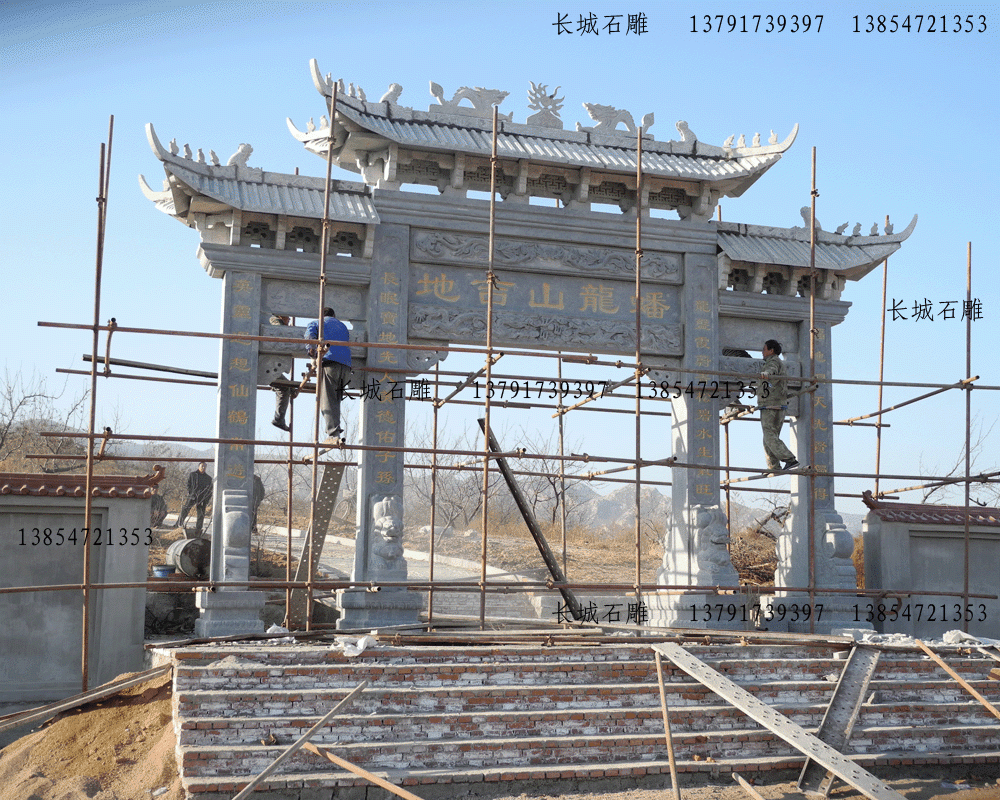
{"points": [[447, 138], [66, 485]]}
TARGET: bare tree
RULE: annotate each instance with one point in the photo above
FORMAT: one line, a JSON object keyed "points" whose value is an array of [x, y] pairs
{"points": [[986, 490], [28, 407], [544, 488], [458, 488]]}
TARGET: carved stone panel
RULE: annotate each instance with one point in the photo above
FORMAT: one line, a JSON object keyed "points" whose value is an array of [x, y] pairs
{"points": [[541, 330], [452, 248], [300, 299]]}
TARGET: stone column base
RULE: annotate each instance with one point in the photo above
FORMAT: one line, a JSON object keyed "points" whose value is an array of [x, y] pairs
{"points": [[226, 613], [709, 611], [361, 609]]}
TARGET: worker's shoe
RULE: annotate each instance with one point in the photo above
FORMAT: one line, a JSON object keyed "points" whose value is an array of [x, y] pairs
{"points": [[792, 464], [280, 423]]}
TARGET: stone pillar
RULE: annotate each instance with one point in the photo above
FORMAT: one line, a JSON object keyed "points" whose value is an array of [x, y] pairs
{"points": [[832, 542], [236, 419], [378, 551], [695, 550]]}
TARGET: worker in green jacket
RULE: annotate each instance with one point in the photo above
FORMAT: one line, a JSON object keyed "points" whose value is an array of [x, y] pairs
{"points": [[773, 399]]}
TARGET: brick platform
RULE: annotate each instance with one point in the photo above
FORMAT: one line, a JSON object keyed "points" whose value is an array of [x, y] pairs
{"points": [[438, 716]]}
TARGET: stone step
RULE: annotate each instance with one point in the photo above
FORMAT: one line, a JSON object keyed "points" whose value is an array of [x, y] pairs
{"points": [[581, 776], [450, 715], [578, 721], [248, 673], [511, 752], [203, 655], [267, 702]]}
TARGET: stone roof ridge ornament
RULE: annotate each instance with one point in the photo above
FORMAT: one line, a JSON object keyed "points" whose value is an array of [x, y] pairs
{"points": [[608, 118], [172, 154], [482, 101], [801, 233], [355, 97], [546, 105], [324, 84], [741, 149]]}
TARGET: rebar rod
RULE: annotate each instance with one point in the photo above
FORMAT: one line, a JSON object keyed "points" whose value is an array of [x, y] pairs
{"points": [[562, 475], [810, 439], [321, 348], [474, 586], [469, 349], [490, 283], [983, 477], [881, 368], [638, 360], [104, 174], [960, 385], [968, 419], [434, 468], [288, 504]]}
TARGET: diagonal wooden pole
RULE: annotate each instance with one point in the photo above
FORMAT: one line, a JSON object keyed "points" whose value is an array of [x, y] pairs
{"points": [[961, 681], [369, 776], [666, 729], [248, 789]]}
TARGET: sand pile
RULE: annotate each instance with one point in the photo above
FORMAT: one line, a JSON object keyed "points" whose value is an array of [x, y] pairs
{"points": [[119, 748]]}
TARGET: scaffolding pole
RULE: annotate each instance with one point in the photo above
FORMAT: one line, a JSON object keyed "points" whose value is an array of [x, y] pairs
{"points": [[88, 509]]}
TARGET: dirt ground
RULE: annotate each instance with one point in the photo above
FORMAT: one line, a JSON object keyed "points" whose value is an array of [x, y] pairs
{"points": [[121, 748]]}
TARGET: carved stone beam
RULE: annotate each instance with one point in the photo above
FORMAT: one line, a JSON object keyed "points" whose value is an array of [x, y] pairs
{"points": [[281, 229], [831, 285], [521, 186], [837, 284], [725, 267], [798, 273], [644, 200], [236, 227], [390, 164], [369, 167], [790, 288], [458, 172], [369, 240], [704, 205], [583, 187]]}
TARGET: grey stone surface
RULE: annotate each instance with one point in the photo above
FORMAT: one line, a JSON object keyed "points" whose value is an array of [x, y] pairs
{"points": [[41, 636], [224, 613], [237, 407], [904, 556]]}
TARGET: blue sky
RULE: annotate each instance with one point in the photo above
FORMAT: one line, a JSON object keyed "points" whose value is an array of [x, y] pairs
{"points": [[903, 124]]}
